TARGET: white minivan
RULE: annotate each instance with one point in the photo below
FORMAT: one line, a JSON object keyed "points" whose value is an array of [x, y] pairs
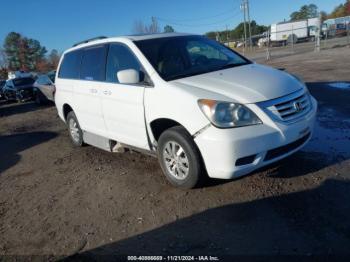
{"points": [[197, 105]]}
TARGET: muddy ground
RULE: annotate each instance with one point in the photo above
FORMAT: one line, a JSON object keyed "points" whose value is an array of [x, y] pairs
{"points": [[59, 200]]}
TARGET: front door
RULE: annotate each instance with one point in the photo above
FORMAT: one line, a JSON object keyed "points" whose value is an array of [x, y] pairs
{"points": [[122, 104]]}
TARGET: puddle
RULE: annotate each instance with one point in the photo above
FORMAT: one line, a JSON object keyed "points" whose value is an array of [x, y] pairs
{"points": [[331, 136], [340, 85]]}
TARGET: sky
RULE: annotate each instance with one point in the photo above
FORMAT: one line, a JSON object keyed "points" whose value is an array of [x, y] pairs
{"points": [[60, 24]]}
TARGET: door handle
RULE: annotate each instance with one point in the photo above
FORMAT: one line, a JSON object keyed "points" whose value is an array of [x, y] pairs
{"points": [[94, 91], [107, 92]]}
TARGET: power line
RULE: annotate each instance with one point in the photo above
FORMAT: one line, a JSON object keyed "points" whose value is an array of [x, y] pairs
{"points": [[208, 24], [196, 19]]}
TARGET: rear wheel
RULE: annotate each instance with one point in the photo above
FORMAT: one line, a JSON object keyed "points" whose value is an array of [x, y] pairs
{"points": [[180, 158], [75, 132]]}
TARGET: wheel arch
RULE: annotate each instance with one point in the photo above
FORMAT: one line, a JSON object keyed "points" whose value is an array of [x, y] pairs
{"points": [[66, 108], [159, 125]]}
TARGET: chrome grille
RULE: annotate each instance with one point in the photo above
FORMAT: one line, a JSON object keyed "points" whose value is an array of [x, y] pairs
{"points": [[293, 108], [289, 108]]}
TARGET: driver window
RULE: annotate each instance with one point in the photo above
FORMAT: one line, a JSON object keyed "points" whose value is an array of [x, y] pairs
{"points": [[120, 58]]}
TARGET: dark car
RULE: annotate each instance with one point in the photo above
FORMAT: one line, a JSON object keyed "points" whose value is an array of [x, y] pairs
{"points": [[44, 88], [19, 89], [2, 84]]}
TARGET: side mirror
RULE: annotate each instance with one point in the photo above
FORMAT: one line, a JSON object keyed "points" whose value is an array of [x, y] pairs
{"points": [[128, 76]]}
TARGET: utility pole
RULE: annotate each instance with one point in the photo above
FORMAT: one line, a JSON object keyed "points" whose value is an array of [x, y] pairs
{"points": [[348, 31], [249, 25], [244, 7], [318, 34], [226, 34]]}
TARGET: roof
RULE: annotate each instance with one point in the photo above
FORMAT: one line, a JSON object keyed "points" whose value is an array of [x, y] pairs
{"points": [[153, 36], [102, 40]]}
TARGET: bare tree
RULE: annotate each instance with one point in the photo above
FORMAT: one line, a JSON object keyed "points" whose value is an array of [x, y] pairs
{"points": [[153, 27], [140, 28]]}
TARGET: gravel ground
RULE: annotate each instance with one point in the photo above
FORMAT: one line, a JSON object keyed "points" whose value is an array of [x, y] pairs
{"points": [[57, 200]]}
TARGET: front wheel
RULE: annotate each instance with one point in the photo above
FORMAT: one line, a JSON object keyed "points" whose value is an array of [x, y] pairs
{"points": [[180, 158]]}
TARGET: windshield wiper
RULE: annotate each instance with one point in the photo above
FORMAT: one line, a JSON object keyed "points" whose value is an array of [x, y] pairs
{"points": [[230, 65]]}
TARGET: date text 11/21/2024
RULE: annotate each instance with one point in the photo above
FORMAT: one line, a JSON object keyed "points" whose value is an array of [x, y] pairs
{"points": [[173, 258]]}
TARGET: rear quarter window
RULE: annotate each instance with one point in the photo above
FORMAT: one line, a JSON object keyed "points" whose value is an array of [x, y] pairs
{"points": [[70, 66]]}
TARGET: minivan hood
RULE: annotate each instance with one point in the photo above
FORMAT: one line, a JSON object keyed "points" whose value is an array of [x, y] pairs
{"points": [[250, 83]]}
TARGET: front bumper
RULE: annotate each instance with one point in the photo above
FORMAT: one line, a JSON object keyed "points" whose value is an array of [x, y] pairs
{"points": [[20, 95], [231, 153]]}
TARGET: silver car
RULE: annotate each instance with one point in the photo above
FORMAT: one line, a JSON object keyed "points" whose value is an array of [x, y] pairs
{"points": [[44, 88]]}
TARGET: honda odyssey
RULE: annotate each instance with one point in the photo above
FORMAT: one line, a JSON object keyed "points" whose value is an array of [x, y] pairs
{"points": [[197, 105]]}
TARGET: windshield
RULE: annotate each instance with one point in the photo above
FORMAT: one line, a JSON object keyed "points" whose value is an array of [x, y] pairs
{"points": [[183, 56], [23, 81]]}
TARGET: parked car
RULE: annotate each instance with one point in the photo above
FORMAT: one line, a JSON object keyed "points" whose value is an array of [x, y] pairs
{"points": [[2, 84], [19, 89], [44, 88], [197, 105]]}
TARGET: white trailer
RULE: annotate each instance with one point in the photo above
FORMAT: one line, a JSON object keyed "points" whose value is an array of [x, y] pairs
{"points": [[294, 31]]}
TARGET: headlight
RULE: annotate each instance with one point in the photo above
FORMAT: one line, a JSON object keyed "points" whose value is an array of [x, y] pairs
{"points": [[226, 114]]}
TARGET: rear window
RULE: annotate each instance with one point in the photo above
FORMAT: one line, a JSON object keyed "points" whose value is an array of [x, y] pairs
{"points": [[70, 65], [94, 63], [23, 81]]}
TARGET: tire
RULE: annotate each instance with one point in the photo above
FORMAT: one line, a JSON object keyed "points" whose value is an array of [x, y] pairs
{"points": [[37, 98], [74, 130], [179, 140]]}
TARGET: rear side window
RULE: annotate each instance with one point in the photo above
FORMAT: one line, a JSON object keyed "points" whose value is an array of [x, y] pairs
{"points": [[70, 65], [93, 63], [120, 58]]}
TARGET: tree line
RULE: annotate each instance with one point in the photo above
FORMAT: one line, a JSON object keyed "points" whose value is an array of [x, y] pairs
{"points": [[340, 10], [237, 32], [311, 10], [26, 54]]}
